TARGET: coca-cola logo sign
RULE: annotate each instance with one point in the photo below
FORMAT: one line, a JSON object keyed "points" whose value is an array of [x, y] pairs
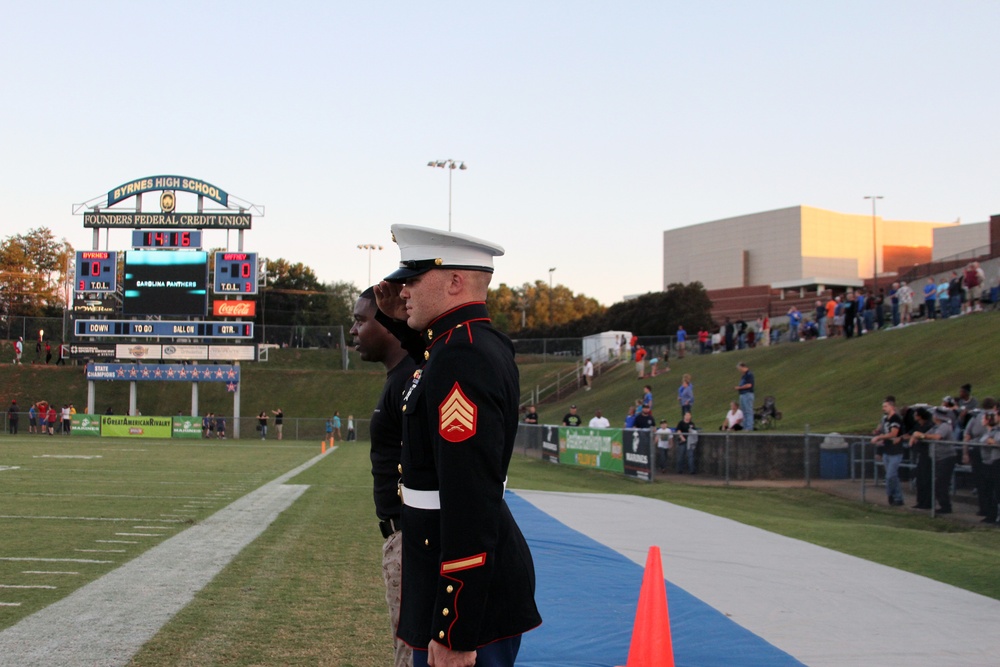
{"points": [[234, 308]]}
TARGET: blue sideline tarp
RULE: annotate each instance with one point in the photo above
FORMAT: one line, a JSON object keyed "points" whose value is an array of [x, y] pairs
{"points": [[587, 594]]}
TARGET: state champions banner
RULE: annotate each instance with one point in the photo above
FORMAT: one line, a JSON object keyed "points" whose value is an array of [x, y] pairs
{"points": [[228, 373], [599, 448]]}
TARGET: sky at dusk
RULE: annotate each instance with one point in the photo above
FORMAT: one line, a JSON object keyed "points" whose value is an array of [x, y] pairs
{"points": [[588, 128]]}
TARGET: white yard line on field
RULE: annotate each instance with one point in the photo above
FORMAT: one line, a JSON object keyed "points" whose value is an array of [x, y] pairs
{"points": [[104, 623]]}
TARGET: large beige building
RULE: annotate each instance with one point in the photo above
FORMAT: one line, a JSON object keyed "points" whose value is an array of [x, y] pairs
{"points": [[793, 247]]}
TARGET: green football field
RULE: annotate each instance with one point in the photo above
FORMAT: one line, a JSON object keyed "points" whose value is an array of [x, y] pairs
{"points": [[308, 591], [72, 509]]}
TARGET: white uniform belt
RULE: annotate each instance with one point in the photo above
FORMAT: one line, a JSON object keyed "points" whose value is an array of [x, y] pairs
{"points": [[421, 500], [427, 500]]}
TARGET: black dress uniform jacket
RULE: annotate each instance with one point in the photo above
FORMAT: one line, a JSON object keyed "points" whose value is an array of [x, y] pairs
{"points": [[468, 577]]}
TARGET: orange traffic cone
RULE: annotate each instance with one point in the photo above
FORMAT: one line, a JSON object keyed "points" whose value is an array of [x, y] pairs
{"points": [[651, 644], [324, 447]]}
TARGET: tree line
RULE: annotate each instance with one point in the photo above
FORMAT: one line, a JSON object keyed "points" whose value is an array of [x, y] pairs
{"points": [[36, 280]]}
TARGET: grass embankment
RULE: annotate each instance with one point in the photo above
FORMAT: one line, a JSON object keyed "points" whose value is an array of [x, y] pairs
{"points": [[829, 385]]}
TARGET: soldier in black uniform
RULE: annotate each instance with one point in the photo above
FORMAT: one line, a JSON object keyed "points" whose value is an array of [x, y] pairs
{"points": [[468, 577], [375, 343]]}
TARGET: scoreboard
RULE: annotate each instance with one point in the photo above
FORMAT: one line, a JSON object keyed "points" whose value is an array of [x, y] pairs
{"points": [[166, 274], [96, 270], [235, 273]]}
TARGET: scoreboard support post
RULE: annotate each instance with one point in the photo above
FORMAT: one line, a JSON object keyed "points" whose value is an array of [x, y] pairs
{"points": [[236, 404]]}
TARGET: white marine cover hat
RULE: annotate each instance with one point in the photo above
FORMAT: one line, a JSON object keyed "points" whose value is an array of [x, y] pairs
{"points": [[422, 249]]}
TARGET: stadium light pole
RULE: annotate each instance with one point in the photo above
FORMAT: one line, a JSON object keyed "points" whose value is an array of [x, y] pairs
{"points": [[551, 271], [369, 247], [874, 199], [450, 165]]}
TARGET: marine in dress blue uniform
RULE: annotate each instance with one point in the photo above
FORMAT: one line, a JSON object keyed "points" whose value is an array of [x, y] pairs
{"points": [[468, 576]]}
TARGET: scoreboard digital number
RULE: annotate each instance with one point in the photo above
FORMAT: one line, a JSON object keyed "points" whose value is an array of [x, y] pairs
{"points": [[96, 270], [166, 239], [235, 272]]}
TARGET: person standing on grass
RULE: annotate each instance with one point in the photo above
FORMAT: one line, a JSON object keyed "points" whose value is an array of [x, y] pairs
{"points": [[571, 418], [588, 374], [687, 440], [279, 421], [745, 390], [51, 418], [261, 424], [12, 417], [685, 394], [943, 456], [889, 442], [374, 342], [664, 438], [468, 576], [352, 434], [599, 421], [640, 361], [991, 459], [930, 299], [336, 426]]}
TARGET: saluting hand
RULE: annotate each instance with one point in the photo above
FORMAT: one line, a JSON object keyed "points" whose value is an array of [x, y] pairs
{"points": [[388, 300]]}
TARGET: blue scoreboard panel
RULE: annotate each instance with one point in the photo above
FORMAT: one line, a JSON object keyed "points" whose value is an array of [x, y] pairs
{"points": [[96, 270], [235, 272], [163, 329]]}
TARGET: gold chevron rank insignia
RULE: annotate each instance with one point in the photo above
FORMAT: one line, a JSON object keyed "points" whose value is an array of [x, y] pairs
{"points": [[457, 416]]}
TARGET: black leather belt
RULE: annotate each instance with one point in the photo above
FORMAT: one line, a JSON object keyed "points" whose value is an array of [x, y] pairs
{"points": [[388, 527]]}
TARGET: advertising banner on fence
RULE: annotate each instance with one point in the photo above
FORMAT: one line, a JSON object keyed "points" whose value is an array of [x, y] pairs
{"points": [[124, 426], [592, 448], [638, 455], [82, 424], [187, 427], [550, 444], [92, 350], [137, 351]]}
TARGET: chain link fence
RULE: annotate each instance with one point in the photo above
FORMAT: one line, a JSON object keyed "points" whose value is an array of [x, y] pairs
{"points": [[848, 462]]}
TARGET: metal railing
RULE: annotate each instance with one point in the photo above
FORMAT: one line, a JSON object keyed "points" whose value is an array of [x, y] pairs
{"points": [[848, 461]]}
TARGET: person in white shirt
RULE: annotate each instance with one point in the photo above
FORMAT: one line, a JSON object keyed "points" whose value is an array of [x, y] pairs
{"points": [[734, 418], [588, 374], [664, 438], [599, 421], [66, 419]]}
